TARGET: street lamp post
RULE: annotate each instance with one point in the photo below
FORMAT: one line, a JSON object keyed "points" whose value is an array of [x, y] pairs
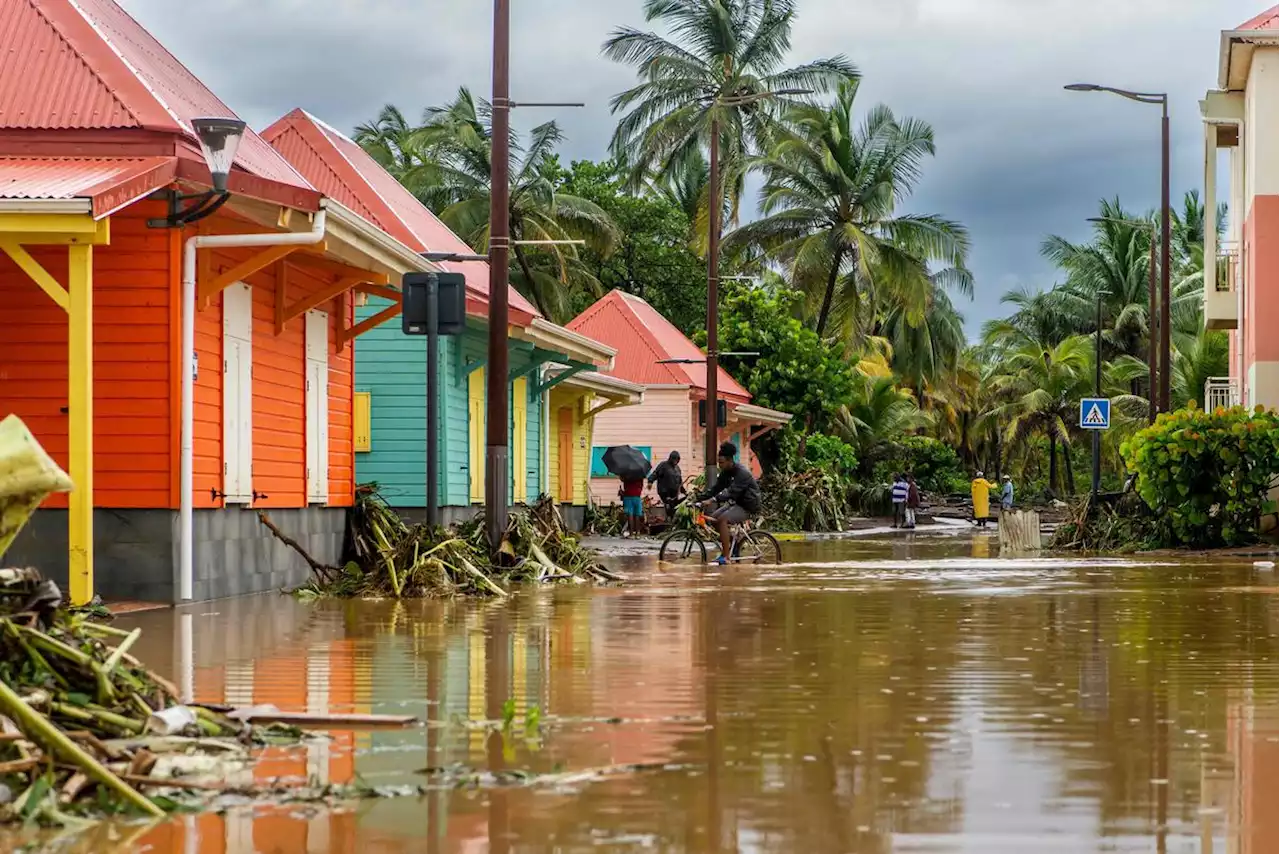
{"points": [[1153, 322], [1162, 99], [714, 205]]}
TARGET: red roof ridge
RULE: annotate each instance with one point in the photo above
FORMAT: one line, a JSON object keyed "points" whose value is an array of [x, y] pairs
{"points": [[78, 57], [111, 45], [328, 128], [1265, 20], [642, 331]]}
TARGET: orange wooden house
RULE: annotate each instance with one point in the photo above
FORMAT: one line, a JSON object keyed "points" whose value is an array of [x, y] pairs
{"points": [[97, 153]]}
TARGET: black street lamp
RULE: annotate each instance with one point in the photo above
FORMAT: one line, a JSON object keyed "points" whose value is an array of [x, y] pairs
{"points": [[1162, 99]]}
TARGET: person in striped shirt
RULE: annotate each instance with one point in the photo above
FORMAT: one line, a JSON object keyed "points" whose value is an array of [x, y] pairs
{"points": [[899, 494]]}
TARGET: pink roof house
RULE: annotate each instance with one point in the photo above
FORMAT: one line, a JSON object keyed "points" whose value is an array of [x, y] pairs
{"points": [[667, 418]]}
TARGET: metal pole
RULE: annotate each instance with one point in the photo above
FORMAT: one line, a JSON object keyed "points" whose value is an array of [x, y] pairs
{"points": [[1097, 392], [713, 302], [433, 402], [1165, 346], [495, 458], [1153, 336]]}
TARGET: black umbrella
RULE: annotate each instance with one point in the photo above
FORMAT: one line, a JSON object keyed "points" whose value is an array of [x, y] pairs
{"points": [[626, 462]]}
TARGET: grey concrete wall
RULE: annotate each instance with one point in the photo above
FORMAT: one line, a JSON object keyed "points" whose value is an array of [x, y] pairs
{"points": [[453, 514], [136, 551]]}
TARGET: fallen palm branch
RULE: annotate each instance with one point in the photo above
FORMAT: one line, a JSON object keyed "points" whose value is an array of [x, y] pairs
{"points": [[389, 557]]}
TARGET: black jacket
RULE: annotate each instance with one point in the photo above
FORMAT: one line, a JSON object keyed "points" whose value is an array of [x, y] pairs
{"points": [[668, 478], [738, 485]]}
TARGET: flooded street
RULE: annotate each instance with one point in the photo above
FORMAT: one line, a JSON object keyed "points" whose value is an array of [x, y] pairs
{"points": [[880, 694]]}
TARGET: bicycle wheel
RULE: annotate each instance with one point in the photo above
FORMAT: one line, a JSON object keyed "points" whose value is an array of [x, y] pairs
{"points": [[758, 547], [683, 546]]}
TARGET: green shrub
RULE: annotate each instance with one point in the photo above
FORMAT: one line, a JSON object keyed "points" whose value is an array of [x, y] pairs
{"points": [[830, 453], [934, 464], [1206, 474]]}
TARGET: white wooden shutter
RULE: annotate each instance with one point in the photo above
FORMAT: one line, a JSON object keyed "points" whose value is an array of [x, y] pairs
{"points": [[237, 393], [317, 406]]}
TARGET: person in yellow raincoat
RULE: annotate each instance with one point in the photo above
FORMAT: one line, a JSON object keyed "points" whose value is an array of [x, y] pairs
{"points": [[981, 492]]}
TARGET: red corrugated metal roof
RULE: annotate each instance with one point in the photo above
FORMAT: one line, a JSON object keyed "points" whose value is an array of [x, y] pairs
{"points": [[642, 337], [108, 183], [89, 65], [342, 170], [1268, 20]]}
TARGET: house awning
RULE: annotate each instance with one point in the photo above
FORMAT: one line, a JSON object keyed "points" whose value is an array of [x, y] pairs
{"points": [[100, 186], [611, 388], [760, 415]]}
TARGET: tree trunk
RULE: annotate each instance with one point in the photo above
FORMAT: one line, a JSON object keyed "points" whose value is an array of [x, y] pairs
{"points": [[830, 292], [528, 277], [1053, 466], [995, 435], [1068, 470]]}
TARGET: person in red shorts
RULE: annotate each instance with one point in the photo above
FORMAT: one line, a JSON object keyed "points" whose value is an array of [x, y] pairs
{"points": [[632, 493]]}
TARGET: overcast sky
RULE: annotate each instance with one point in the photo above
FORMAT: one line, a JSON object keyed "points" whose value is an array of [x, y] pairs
{"points": [[1018, 158]]}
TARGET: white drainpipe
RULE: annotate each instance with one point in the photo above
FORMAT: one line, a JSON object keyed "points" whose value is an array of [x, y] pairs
{"points": [[186, 575]]}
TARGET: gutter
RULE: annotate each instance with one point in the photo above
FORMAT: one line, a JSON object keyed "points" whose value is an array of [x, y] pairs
{"points": [[207, 241], [569, 342]]}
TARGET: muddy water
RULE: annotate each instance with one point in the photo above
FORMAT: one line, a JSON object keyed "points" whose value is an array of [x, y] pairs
{"points": [[915, 694]]}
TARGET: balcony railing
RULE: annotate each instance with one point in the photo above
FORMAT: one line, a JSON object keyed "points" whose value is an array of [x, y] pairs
{"points": [[1227, 274], [1221, 391]]}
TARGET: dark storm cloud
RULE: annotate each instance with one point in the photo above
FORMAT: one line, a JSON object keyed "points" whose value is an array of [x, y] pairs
{"points": [[1018, 158]]}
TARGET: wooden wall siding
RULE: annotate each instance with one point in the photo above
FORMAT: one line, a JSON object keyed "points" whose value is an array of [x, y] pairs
{"points": [[563, 396], [132, 366], [279, 390], [391, 366], [663, 422]]}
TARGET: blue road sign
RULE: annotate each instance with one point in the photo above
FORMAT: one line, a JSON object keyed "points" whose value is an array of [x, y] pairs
{"points": [[1095, 413]]}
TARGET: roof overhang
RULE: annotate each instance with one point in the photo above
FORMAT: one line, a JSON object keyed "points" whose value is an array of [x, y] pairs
{"points": [[580, 348], [613, 389], [761, 415], [1236, 52]]}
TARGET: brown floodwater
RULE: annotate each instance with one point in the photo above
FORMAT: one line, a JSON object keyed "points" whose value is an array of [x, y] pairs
{"points": [[907, 693]]}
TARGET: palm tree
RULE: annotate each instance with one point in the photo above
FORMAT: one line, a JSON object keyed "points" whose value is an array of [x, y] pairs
{"points": [[1038, 320], [829, 202], [1194, 362], [719, 66], [445, 163], [926, 353], [879, 412]]}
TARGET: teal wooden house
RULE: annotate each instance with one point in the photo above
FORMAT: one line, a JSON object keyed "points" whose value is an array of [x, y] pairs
{"points": [[389, 408]]}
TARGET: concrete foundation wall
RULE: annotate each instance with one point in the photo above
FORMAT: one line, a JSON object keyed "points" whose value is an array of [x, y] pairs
{"points": [[135, 551]]}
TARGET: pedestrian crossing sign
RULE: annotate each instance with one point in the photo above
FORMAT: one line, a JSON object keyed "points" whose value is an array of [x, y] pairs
{"points": [[1095, 413]]}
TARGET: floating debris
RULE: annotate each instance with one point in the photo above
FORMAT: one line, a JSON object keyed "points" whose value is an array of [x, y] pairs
{"points": [[391, 558]]}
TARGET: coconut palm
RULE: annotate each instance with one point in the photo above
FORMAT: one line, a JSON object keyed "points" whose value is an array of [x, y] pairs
{"points": [[387, 140], [830, 203], [924, 354], [721, 62], [879, 412], [1038, 320], [1194, 362], [445, 163]]}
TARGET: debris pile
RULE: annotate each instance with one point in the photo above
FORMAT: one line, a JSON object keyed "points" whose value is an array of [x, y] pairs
{"points": [[78, 713], [391, 558]]}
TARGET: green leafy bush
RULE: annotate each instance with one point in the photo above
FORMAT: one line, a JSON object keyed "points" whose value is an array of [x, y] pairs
{"points": [[934, 464], [1206, 474], [830, 453]]}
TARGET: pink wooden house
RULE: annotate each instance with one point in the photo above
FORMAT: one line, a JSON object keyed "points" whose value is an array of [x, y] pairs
{"points": [[667, 418]]}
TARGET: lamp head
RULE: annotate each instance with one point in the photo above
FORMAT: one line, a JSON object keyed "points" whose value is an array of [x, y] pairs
{"points": [[219, 139], [1082, 87]]}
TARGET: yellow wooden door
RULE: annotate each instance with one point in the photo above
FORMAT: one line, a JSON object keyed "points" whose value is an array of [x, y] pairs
{"points": [[565, 483], [475, 406], [519, 441]]}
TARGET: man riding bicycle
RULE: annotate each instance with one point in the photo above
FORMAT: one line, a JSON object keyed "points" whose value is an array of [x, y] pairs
{"points": [[736, 485]]}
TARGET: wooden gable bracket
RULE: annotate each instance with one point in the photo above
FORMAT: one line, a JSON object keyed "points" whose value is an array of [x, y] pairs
{"points": [[350, 333], [764, 428], [216, 284], [323, 295], [384, 290], [551, 382], [607, 405], [538, 358], [38, 274]]}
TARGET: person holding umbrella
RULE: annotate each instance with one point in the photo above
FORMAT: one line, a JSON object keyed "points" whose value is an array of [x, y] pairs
{"points": [[631, 466]]}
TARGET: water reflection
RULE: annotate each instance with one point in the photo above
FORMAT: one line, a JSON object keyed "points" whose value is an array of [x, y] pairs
{"points": [[889, 694]]}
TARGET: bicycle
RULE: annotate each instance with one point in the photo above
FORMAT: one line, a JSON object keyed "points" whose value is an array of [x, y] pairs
{"points": [[747, 543]]}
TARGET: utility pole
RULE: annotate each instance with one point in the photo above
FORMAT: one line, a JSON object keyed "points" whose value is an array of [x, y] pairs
{"points": [[495, 458], [713, 305], [1165, 345], [1153, 335]]}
